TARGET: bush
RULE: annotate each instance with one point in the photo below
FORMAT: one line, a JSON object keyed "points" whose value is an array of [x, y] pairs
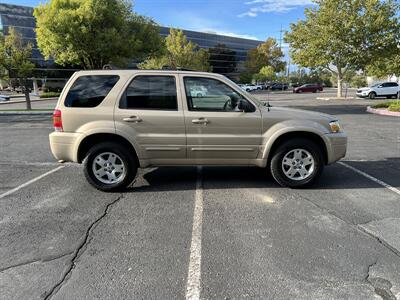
{"points": [[395, 106], [382, 105], [49, 95]]}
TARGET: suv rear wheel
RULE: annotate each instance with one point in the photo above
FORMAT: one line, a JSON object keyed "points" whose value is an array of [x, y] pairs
{"points": [[109, 167], [297, 163]]}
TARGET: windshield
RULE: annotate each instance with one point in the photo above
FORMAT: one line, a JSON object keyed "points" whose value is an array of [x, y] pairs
{"points": [[376, 84]]}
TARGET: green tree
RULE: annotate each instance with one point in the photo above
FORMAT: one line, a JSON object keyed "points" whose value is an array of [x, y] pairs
{"points": [[14, 60], [222, 59], [179, 53], [385, 66], [344, 35], [267, 73], [266, 54], [93, 33]]}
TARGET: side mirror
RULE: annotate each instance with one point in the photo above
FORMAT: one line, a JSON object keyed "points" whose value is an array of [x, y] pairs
{"points": [[245, 106]]}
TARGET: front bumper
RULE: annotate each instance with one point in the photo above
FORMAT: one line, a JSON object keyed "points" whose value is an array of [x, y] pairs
{"points": [[336, 146], [64, 145], [362, 94]]}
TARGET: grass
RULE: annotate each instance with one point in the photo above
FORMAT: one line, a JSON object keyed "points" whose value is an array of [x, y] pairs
{"points": [[389, 105], [49, 95]]}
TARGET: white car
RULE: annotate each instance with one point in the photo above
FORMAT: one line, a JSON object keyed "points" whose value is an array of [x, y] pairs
{"points": [[385, 89], [198, 91], [248, 87]]}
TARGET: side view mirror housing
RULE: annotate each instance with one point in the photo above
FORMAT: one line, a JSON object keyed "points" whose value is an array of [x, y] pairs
{"points": [[245, 106]]}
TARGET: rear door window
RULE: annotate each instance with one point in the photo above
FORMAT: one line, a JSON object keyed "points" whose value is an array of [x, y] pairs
{"points": [[90, 91], [150, 92]]}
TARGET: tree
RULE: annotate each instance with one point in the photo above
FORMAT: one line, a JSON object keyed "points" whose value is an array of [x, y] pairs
{"points": [[344, 35], [267, 73], [266, 54], [222, 59], [385, 66], [93, 33], [14, 60], [179, 53]]}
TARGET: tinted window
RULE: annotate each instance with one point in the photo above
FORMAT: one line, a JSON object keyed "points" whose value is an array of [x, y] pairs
{"points": [[150, 92], [393, 84], [206, 94], [90, 91]]}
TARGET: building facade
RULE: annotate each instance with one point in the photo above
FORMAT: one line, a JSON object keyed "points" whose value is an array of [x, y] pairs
{"points": [[227, 54]]}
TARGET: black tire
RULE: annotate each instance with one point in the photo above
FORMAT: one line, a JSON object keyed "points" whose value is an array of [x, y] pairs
{"points": [[127, 159], [372, 95], [279, 154]]}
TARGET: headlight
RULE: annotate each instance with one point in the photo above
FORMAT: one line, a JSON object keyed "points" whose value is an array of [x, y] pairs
{"points": [[335, 127]]}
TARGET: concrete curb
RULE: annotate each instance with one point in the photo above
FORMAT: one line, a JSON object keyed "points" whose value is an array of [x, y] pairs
{"points": [[334, 98], [382, 112], [26, 113], [23, 101]]}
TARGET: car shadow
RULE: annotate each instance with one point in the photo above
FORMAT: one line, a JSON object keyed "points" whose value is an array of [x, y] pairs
{"points": [[335, 176]]}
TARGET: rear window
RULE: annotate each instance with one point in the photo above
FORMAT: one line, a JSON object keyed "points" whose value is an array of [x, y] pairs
{"points": [[90, 91], [150, 92]]}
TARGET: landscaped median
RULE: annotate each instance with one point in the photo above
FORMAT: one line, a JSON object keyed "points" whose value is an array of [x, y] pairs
{"points": [[390, 108]]}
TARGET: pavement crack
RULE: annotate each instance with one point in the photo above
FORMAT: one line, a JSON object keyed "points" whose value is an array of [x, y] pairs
{"points": [[35, 260], [356, 226], [80, 250], [382, 287]]}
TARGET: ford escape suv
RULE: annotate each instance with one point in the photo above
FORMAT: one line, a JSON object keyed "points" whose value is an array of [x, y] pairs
{"points": [[115, 121]]}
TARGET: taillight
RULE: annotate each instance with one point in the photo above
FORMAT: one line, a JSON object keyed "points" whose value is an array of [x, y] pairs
{"points": [[57, 121]]}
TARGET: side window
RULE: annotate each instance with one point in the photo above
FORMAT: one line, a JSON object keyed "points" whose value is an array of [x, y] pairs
{"points": [[90, 91], [393, 84], [150, 92], [207, 94]]}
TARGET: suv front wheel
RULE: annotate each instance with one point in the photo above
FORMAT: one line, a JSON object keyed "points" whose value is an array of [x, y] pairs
{"points": [[109, 167], [297, 163]]}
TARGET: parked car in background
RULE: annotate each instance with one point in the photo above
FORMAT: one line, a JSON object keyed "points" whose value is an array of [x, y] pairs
{"points": [[279, 86], [116, 121], [247, 87], [198, 91], [309, 88], [385, 89]]}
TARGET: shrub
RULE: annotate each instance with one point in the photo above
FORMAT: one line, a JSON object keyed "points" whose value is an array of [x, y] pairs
{"points": [[49, 95], [395, 106], [382, 105]]}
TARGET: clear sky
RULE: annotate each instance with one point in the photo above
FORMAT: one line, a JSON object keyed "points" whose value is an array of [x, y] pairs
{"points": [[257, 19]]}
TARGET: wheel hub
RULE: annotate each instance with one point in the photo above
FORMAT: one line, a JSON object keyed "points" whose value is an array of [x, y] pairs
{"points": [[298, 164]]}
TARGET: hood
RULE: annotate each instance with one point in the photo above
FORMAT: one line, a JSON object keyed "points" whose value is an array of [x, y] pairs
{"points": [[299, 114], [364, 89]]}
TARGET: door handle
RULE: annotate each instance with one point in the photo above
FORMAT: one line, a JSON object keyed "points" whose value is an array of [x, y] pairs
{"points": [[133, 119], [203, 121]]}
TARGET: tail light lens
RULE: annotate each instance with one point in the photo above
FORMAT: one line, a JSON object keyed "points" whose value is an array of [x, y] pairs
{"points": [[57, 121]]}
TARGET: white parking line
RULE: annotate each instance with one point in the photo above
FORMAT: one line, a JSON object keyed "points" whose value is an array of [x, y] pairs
{"points": [[30, 182], [388, 186], [193, 286]]}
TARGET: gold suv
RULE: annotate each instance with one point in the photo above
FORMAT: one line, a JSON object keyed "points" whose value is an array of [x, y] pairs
{"points": [[116, 121]]}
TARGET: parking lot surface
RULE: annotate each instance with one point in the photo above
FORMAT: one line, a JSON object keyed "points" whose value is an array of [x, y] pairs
{"points": [[203, 233]]}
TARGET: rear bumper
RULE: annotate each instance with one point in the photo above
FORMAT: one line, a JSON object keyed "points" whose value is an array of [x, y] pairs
{"points": [[64, 145], [336, 146]]}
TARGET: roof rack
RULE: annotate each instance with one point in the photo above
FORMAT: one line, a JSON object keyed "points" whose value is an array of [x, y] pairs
{"points": [[166, 67]]}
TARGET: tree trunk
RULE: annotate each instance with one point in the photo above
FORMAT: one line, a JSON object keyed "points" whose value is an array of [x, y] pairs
{"points": [[339, 86], [27, 98]]}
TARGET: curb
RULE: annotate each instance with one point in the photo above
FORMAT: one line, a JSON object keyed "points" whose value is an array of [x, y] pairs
{"points": [[23, 101], [25, 113], [334, 98], [383, 112]]}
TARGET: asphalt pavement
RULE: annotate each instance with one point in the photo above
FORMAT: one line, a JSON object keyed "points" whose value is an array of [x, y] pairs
{"points": [[208, 233]]}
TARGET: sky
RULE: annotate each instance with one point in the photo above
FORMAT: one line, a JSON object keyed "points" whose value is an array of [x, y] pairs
{"points": [[254, 19]]}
